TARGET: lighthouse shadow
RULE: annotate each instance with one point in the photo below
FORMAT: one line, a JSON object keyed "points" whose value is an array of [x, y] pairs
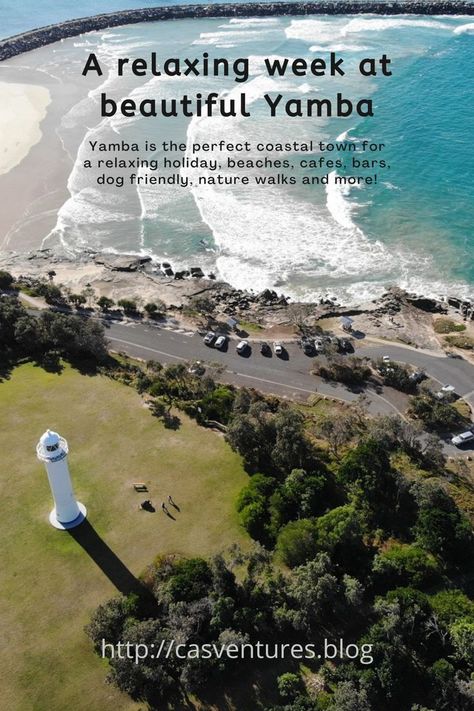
{"points": [[104, 557]]}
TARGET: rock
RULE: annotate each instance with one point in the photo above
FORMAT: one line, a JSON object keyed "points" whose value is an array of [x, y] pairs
{"points": [[425, 304], [121, 262], [168, 271], [267, 295], [182, 274], [196, 272]]}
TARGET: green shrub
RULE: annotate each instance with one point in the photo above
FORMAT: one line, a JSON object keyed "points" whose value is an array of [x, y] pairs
{"points": [[446, 325], [461, 341]]}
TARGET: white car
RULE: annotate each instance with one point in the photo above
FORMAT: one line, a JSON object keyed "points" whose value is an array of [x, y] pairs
{"points": [[387, 359], [318, 344], [220, 343], [242, 346], [463, 438], [278, 348]]}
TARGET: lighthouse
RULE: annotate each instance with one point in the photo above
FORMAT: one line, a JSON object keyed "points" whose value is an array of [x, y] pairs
{"points": [[67, 512]]}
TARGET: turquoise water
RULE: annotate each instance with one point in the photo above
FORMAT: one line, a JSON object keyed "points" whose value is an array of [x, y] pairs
{"points": [[413, 228]]}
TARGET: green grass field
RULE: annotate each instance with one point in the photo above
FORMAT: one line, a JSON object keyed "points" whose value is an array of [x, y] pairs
{"points": [[49, 583]]}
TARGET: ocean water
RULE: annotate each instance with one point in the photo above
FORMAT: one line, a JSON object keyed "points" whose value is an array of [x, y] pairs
{"points": [[413, 228]]}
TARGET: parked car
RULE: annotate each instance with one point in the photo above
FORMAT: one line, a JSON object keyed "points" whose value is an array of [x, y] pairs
{"points": [[221, 343], [318, 344], [463, 438], [242, 347], [278, 348], [386, 359], [265, 349], [308, 348], [209, 338], [346, 346]]}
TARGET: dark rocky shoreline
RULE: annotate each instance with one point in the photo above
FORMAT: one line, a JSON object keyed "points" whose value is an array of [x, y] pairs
{"points": [[28, 41]]}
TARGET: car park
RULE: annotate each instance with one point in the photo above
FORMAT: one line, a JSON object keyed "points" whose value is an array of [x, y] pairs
{"points": [[220, 343], [209, 338], [242, 347], [463, 438]]}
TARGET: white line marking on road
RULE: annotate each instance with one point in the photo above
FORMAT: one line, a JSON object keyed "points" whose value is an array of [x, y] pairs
{"points": [[272, 382], [146, 348]]}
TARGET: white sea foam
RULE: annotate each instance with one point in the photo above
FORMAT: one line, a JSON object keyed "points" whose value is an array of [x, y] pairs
{"points": [[321, 31], [380, 24], [244, 36], [465, 29], [339, 47]]}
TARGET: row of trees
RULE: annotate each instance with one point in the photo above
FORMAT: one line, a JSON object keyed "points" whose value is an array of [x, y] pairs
{"points": [[48, 336]]}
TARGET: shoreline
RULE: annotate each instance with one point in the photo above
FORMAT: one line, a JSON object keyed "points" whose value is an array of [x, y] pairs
{"points": [[397, 316], [33, 39], [25, 107]]}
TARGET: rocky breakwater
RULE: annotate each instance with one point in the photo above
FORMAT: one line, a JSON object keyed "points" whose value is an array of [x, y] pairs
{"points": [[28, 41]]}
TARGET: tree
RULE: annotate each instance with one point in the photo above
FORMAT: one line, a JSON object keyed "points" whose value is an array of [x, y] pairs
{"points": [[128, 305], [314, 593], [108, 620], [146, 681], [190, 580], [462, 636], [89, 294], [104, 303], [77, 299], [252, 505], [338, 430], [155, 308], [435, 414], [348, 698], [297, 542], [291, 449], [339, 533], [397, 376], [402, 564], [441, 528], [289, 686], [6, 280]]}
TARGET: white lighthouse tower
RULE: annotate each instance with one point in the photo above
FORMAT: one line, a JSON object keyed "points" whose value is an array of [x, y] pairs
{"points": [[53, 450]]}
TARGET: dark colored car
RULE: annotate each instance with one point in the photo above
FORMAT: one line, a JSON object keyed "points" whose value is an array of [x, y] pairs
{"points": [[265, 349], [308, 348]]}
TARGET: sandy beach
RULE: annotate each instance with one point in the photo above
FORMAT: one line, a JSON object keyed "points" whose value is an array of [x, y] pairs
{"points": [[23, 108]]}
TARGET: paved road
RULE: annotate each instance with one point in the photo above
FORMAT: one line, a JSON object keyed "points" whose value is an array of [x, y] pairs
{"points": [[452, 371], [290, 378]]}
